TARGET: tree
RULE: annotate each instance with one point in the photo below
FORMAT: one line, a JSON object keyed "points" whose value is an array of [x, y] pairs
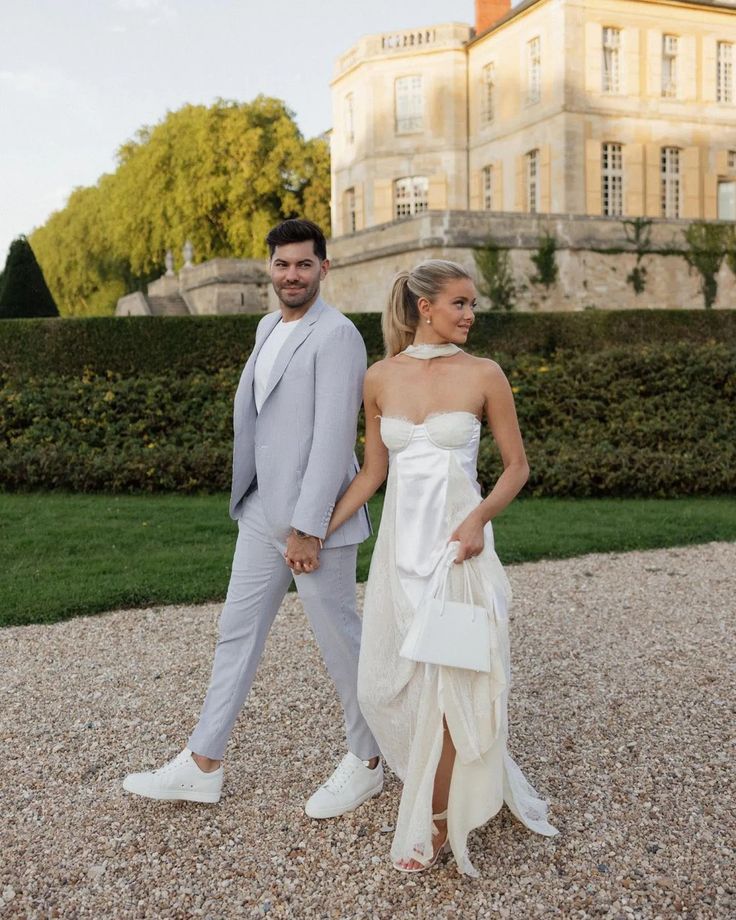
{"points": [[218, 175], [24, 291]]}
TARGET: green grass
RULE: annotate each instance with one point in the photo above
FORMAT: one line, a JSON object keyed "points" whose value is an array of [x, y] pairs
{"points": [[62, 555]]}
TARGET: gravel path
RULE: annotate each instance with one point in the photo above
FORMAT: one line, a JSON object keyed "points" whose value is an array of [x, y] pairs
{"points": [[621, 714]]}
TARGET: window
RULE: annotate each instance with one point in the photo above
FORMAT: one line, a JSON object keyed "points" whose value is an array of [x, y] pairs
{"points": [[487, 93], [411, 196], [670, 182], [487, 176], [731, 159], [350, 221], [612, 180], [727, 200], [611, 65], [669, 66], [533, 71], [724, 72], [349, 118], [409, 104], [532, 174]]}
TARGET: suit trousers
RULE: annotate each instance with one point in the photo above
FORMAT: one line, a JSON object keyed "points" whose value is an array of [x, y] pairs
{"points": [[259, 581]]}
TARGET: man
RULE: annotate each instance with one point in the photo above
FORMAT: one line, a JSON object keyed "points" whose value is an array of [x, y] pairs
{"points": [[295, 424]]}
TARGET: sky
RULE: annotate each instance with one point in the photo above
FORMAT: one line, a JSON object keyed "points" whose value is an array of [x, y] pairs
{"points": [[79, 77]]}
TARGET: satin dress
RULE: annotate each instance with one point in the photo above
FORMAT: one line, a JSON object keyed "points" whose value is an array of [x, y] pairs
{"points": [[431, 488]]}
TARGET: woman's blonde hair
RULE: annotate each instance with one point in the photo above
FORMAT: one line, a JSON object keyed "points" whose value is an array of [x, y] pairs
{"points": [[401, 316]]}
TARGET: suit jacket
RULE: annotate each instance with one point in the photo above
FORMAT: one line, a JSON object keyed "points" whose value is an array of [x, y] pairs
{"points": [[299, 447]]}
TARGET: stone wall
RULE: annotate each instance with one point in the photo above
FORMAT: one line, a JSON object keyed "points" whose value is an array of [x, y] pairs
{"points": [[225, 286], [594, 257]]}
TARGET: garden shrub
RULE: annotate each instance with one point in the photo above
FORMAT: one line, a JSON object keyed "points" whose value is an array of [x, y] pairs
{"points": [[655, 420], [152, 345]]}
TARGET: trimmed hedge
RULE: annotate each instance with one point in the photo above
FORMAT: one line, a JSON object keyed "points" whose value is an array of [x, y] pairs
{"points": [[151, 345], [656, 420]]}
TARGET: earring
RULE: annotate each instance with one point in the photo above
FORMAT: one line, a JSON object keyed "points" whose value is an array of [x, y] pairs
{"points": [[429, 322]]}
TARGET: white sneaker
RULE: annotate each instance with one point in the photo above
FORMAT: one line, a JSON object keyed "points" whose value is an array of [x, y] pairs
{"points": [[350, 785], [179, 779]]}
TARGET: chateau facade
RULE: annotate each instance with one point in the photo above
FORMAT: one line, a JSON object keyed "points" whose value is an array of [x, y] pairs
{"points": [[604, 108]]}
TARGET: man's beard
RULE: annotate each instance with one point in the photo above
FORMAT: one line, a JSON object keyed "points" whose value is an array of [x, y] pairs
{"points": [[306, 294]]}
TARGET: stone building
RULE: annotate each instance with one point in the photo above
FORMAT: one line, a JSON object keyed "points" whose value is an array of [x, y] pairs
{"points": [[586, 107]]}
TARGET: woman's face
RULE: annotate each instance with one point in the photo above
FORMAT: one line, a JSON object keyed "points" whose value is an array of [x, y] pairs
{"points": [[451, 314]]}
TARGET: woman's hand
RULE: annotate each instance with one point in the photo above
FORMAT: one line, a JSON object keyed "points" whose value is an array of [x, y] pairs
{"points": [[470, 537]]}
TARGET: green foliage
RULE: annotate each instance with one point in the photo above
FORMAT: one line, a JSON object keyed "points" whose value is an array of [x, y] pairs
{"points": [[150, 345], [708, 244], [638, 231], [652, 420], [107, 433], [127, 345], [497, 281], [655, 421], [23, 292], [544, 259], [218, 175]]}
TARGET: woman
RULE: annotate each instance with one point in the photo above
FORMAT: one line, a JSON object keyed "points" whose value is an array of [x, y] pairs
{"points": [[442, 730]]}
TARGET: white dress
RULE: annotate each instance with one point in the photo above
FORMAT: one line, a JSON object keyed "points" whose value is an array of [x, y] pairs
{"points": [[431, 488]]}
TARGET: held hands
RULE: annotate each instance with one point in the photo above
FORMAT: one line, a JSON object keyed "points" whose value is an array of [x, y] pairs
{"points": [[302, 553], [470, 537]]}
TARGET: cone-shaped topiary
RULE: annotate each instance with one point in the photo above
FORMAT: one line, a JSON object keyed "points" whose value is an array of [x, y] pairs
{"points": [[24, 291]]}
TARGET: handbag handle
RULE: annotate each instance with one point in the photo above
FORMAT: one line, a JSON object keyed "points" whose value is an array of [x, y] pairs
{"points": [[467, 589]]}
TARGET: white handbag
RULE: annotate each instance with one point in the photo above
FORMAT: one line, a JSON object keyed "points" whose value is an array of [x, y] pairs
{"points": [[450, 633]]}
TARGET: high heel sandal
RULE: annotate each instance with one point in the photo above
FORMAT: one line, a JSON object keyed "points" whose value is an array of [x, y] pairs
{"points": [[440, 850]]}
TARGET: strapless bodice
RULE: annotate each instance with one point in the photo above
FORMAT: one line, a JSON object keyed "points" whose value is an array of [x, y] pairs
{"points": [[444, 430], [421, 459]]}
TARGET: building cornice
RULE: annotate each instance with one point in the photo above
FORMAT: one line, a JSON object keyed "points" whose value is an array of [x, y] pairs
{"points": [[521, 8]]}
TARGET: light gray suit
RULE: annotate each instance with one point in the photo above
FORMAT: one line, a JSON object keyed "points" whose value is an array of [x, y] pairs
{"points": [[291, 462]]}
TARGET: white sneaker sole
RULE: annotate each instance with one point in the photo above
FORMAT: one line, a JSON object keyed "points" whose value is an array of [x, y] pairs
{"points": [[351, 806], [175, 795]]}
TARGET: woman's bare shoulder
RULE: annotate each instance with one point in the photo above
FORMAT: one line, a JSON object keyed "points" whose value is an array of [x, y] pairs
{"points": [[487, 368]]}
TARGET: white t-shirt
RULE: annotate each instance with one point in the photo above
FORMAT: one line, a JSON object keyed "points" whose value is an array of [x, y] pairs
{"points": [[267, 357]]}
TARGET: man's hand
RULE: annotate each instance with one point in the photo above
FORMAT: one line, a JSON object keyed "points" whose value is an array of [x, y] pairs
{"points": [[302, 553]]}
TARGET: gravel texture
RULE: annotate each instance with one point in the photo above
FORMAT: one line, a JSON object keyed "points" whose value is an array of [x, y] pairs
{"points": [[621, 714]]}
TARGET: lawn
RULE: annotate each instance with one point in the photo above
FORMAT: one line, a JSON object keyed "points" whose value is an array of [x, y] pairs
{"points": [[62, 555]]}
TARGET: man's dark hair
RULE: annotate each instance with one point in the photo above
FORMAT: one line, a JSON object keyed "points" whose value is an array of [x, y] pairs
{"points": [[297, 230]]}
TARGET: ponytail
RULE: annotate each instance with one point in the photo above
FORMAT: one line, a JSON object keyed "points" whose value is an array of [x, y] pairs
{"points": [[401, 316]]}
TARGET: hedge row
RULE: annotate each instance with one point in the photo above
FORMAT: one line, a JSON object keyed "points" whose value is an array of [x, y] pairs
{"points": [[655, 420], [151, 345]]}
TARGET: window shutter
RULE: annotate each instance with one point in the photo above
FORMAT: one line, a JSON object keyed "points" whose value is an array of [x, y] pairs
{"points": [[686, 69], [545, 189], [593, 56], [654, 63], [476, 193], [521, 183], [653, 192], [359, 207], [630, 81], [437, 193], [593, 177], [709, 68], [633, 163], [383, 201], [691, 182], [710, 196], [498, 185]]}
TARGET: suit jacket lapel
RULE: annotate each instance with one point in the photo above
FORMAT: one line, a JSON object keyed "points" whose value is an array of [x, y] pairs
{"points": [[296, 338]]}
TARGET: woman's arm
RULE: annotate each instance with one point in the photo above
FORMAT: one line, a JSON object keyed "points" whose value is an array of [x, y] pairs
{"points": [[501, 414], [375, 459]]}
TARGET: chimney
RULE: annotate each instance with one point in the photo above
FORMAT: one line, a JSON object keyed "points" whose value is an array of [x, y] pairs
{"points": [[488, 12]]}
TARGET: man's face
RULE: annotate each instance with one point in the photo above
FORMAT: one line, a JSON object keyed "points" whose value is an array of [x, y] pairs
{"points": [[296, 273]]}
